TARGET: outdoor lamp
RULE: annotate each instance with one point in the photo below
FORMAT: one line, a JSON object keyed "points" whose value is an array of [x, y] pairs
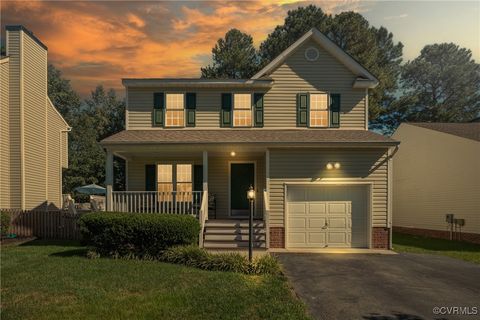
{"points": [[233, 153], [329, 166], [251, 198], [337, 165], [251, 193]]}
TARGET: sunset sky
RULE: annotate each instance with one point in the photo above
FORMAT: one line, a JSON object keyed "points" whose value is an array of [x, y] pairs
{"points": [[101, 42]]}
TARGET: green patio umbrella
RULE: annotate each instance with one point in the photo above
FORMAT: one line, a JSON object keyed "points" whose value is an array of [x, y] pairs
{"points": [[91, 189]]}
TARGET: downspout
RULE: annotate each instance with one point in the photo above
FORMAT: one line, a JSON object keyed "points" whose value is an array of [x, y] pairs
{"points": [[390, 194], [366, 108]]}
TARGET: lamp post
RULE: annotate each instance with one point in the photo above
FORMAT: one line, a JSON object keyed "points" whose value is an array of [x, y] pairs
{"points": [[251, 199]]}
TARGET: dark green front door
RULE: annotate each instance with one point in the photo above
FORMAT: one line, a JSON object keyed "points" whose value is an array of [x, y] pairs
{"points": [[242, 176]]}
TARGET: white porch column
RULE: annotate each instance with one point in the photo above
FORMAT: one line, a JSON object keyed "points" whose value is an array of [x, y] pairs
{"points": [[205, 176], [109, 179], [205, 170]]}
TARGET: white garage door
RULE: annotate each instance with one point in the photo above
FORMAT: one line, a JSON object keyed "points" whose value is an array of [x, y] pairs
{"points": [[327, 216]]}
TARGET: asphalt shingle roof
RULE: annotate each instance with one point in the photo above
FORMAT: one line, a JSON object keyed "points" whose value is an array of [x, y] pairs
{"points": [[469, 130], [183, 136]]}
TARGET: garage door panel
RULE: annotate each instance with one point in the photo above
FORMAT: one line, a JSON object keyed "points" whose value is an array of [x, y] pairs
{"points": [[338, 208], [339, 223], [317, 239], [317, 208], [316, 223], [297, 238], [297, 222], [327, 216], [297, 209], [337, 238]]}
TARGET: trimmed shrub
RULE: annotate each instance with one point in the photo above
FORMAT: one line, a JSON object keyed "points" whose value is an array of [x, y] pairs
{"points": [[235, 262], [4, 223], [138, 234]]}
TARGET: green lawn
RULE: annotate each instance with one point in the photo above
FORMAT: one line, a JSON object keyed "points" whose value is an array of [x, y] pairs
{"points": [[54, 280], [455, 249]]}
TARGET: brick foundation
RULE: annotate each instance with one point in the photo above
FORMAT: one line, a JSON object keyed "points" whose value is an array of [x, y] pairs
{"points": [[277, 237], [440, 234], [380, 238]]}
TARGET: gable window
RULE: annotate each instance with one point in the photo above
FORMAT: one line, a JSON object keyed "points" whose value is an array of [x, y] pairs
{"points": [[319, 110], [174, 110], [242, 110]]}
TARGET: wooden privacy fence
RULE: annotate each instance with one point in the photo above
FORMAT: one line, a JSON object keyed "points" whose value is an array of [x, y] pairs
{"points": [[58, 224]]}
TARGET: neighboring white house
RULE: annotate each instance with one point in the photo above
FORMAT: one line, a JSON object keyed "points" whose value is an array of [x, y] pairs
{"points": [[436, 172]]}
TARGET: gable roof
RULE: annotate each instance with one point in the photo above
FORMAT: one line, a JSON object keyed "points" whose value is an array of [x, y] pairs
{"points": [[366, 79], [469, 130]]}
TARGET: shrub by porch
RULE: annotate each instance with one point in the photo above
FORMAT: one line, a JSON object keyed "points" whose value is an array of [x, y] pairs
{"points": [[139, 234]]}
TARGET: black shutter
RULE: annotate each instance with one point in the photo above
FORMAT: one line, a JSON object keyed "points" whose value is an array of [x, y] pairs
{"points": [[158, 108], [150, 177], [191, 105], [258, 109], [302, 109], [335, 110], [226, 112], [198, 177]]}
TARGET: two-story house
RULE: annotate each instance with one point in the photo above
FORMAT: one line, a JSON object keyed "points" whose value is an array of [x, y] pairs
{"points": [[33, 134], [297, 132]]}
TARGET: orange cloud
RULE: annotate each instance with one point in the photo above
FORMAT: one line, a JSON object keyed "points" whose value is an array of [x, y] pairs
{"points": [[102, 42]]}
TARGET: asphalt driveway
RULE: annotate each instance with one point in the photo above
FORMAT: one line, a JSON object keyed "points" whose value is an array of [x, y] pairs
{"points": [[386, 287]]}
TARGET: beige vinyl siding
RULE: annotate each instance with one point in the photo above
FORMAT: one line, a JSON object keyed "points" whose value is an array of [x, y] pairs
{"points": [[4, 136], [435, 173], [140, 106], [14, 53], [64, 163], [307, 166], [295, 75], [218, 176], [326, 74], [35, 122], [56, 154]]}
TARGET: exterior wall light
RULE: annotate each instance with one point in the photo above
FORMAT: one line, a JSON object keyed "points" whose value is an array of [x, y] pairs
{"points": [[331, 166], [233, 153]]}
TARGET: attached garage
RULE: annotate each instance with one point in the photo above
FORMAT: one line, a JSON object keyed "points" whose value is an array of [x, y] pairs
{"points": [[323, 215]]}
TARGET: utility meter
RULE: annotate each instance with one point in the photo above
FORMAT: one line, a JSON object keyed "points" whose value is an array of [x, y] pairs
{"points": [[449, 218]]}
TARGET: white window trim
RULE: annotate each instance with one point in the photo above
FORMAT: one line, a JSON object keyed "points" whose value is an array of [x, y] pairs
{"points": [[165, 125], [310, 109], [243, 109], [174, 172]]}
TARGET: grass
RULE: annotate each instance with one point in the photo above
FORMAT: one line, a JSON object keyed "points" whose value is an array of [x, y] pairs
{"points": [[455, 249], [54, 280]]}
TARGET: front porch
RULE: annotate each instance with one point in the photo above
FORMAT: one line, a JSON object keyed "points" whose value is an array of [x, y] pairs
{"points": [[210, 184]]}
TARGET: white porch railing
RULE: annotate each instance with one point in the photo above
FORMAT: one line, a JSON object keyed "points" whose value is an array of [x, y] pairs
{"points": [[203, 216], [175, 202], [266, 217]]}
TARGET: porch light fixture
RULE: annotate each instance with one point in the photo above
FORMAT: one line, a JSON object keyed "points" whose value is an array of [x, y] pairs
{"points": [[329, 166], [251, 199], [233, 153], [337, 165], [251, 193]]}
